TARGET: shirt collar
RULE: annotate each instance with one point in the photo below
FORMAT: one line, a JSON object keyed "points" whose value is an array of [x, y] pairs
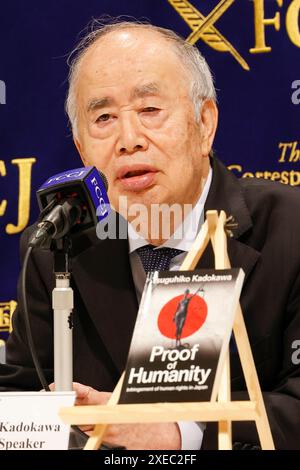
{"points": [[185, 234]]}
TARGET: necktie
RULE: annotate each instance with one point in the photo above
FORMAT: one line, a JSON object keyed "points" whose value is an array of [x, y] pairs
{"points": [[156, 260]]}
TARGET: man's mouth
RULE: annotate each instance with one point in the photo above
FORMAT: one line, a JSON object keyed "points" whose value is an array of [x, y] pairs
{"points": [[131, 174], [136, 178]]}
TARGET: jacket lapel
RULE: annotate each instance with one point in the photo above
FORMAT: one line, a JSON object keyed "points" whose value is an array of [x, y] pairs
{"points": [[226, 194], [103, 277]]}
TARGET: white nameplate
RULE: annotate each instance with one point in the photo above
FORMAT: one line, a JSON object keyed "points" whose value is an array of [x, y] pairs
{"points": [[30, 421]]}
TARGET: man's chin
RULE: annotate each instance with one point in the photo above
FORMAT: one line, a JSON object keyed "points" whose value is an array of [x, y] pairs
{"points": [[144, 198]]}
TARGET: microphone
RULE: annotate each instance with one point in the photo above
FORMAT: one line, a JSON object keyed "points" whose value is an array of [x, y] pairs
{"points": [[70, 202]]}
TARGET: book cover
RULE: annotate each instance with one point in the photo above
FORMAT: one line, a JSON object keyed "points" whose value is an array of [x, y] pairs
{"points": [[181, 336]]}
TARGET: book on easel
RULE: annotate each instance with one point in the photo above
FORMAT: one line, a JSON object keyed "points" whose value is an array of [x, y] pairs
{"points": [[224, 411], [181, 336]]}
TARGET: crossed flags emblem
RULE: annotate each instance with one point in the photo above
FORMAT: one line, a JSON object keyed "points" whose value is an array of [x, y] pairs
{"points": [[203, 27]]}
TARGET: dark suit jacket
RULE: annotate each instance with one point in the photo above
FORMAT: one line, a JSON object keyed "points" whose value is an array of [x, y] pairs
{"points": [[265, 245]]}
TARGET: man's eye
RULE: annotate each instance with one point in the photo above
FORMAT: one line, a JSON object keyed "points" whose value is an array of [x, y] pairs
{"points": [[103, 117], [150, 109]]}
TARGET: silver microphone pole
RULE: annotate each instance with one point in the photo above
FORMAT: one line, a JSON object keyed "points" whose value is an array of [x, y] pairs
{"points": [[63, 303]]}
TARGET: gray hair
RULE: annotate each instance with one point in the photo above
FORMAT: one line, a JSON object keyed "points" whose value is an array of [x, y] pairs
{"points": [[201, 85]]}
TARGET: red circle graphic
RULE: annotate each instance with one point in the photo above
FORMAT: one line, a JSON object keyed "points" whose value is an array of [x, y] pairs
{"points": [[196, 316]]}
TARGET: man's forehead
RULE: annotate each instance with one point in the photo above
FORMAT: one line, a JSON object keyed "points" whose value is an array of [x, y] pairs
{"points": [[133, 47], [136, 65]]}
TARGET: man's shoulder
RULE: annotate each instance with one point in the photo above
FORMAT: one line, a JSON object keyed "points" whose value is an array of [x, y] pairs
{"points": [[268, 185], [85, 243], [41, 258], [25, 237], [258, 199], [269, 196]]}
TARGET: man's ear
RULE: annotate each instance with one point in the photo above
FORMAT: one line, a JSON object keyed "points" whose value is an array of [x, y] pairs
{"points": [[79, 148], [208, 123]]}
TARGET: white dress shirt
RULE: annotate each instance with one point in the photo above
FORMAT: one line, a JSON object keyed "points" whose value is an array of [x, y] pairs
{"points": [[182, 239]]}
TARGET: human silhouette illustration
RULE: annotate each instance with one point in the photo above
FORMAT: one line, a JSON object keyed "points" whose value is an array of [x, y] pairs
{"points": [[180, 315]]}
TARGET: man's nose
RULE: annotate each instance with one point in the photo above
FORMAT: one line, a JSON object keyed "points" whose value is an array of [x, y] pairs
{"points": [[131, 138]]}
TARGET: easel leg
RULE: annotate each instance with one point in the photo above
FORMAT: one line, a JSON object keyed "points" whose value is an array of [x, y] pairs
{"points": [[219, 244], [96, 437], [225, 428], [252, 382]]}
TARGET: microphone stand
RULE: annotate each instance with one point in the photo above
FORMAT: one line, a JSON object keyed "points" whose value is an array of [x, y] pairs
{"points": [[62, 304]]}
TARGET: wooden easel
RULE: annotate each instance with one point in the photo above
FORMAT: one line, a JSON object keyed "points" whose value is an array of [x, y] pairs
{"points": [[224, 411]]}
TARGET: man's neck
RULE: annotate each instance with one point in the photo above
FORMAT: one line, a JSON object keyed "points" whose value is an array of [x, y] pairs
{"points": [[178, 233], [164, 226]]}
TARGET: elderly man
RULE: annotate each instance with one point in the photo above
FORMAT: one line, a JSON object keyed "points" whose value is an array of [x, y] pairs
{"points": [[143, 110]]}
